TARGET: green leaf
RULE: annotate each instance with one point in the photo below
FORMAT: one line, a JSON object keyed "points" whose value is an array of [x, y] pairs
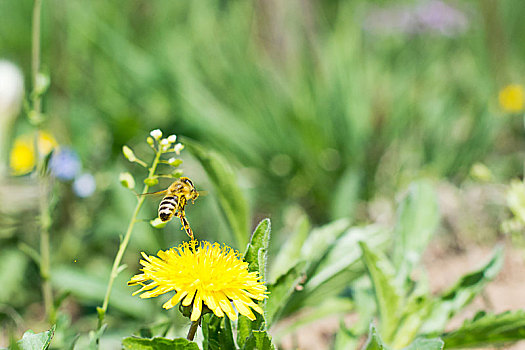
{"points": [[328, 308], [289, 253], [217, 333], [374, 341], [321, 238], [387, 293], [257, 250], [415, 312], [131, 343], [461, 294], [244, 330], [281, 290], [345, 252], [418, 219], [337, 266], [94, 337], [38, 341], [232, 202], [488, 329], [259, 340], [426, 344], [345, 339], [13, 264]]}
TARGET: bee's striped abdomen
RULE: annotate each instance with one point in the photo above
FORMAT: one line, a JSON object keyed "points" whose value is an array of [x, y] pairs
{"points": [[167, 208]]}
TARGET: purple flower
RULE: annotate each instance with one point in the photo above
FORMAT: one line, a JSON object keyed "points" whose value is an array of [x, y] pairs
{"points": [[84, 185], [430, 16], [65, 164]]}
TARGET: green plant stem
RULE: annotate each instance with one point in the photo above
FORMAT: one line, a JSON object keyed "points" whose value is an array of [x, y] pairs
{"points": [[124, 243], [193, 329], [35, 55], [45, 216]]}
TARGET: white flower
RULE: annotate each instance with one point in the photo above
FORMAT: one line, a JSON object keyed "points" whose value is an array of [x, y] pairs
{"points": [[11, 89], [172, 138], [178, 147], [156, 134]]}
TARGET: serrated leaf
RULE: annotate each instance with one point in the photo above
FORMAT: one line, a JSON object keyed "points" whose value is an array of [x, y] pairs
{"points": [[281, 290], [232, 202], [38, 341], [488, 329], [158, 344], [374, 341], [426, 344], [461, 294], [257, 250], [259, 340], [386, 291], [417, 220]]}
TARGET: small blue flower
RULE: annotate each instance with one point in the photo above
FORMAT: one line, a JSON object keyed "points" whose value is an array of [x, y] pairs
{"points": [[65, 164], [84, 185]]}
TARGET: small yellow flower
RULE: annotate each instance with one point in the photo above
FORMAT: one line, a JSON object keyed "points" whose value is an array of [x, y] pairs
{"points": [[22, 159], [512, 98], [200, 273], [46, 143]]}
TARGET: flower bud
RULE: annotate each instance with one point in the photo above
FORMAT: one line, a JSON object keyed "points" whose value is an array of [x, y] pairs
{"points": [[158, 223], [172, 138], [42, 83], [177, 173], [178, 147], [150, 141], [174, 162], [151, 181], [127, 180], [156, 134], [128, 153]]}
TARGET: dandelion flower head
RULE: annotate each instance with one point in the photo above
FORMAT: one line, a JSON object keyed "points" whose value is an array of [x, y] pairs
{"points": [[202, 273], [23, 157], [512, 98]]}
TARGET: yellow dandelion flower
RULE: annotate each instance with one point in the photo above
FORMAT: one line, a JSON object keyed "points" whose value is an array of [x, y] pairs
{"points": [[202, 273], [46, 143], [512, 98], [22, 159]]}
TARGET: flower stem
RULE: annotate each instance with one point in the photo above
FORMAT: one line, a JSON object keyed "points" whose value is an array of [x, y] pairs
{"points": [[35, 54], [45, 216], [124, 244], [193, 329]]}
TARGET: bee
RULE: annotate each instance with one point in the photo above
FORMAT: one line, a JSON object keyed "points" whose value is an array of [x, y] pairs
{"points": [[177, 196]]}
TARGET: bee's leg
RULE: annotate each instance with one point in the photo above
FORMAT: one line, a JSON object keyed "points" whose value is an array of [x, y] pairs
{"points": [[187, 227], [182, 216]]}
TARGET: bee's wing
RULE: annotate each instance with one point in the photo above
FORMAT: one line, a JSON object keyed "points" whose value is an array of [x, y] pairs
{"points": [[158, 193]]}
